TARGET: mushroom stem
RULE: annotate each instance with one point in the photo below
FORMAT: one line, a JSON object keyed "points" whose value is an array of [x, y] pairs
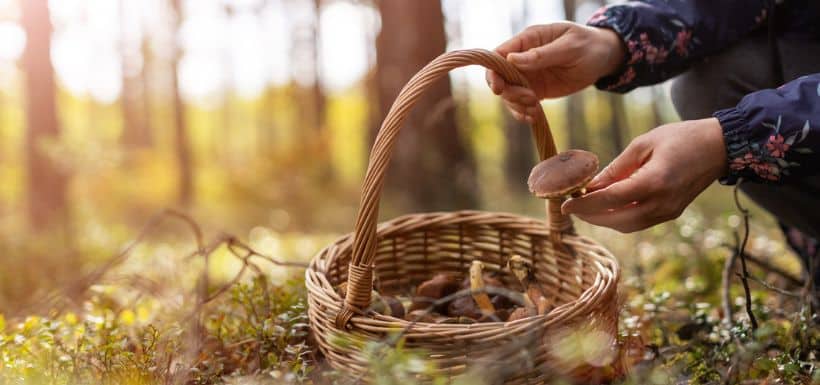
{"points": [[477, 287], [520, 269]]}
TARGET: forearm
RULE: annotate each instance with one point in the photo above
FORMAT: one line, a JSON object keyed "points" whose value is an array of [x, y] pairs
{"points": [[774, 135], [664, 37]]}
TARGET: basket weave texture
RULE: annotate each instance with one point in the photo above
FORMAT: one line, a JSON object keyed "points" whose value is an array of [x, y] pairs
{"points": [[578, 275]]}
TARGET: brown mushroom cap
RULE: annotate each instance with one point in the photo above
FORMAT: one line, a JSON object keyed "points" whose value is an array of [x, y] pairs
{"points": [[440, 286], [563, 174]]}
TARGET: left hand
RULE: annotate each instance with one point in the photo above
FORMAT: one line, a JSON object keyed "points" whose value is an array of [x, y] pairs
{"points": [[655, 178]]}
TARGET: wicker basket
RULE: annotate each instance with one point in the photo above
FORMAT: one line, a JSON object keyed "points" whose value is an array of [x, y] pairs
{"points": [[579, 275]]}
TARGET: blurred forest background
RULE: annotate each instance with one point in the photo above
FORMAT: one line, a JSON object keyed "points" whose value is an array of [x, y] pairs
{"points": [[255, 117], [258, 114]]}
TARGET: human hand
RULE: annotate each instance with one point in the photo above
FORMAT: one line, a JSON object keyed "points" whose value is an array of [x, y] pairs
{"points": [[557, 60], [655, 178]]}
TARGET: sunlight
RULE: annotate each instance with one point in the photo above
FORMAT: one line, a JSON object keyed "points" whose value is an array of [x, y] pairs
{"points": [[14, 41], [247, 50], [345, 56]]}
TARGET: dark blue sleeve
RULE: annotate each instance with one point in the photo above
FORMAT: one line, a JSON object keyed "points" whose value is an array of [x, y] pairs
{"points": [[664, 37], [774, 135]]}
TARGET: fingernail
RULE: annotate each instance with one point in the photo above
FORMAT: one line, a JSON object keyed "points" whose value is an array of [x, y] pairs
{"points": [[565, 207], [516, 57], [532, 111], [593, 184]]}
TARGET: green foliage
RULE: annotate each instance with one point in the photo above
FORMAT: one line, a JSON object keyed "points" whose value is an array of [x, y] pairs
{"points": [[259, 330]]}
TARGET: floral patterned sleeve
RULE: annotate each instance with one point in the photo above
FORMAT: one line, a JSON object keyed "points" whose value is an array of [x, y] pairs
{"points": [[664, 37], [774, 135]]}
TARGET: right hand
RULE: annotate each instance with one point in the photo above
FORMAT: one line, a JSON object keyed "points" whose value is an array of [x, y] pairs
{"points": [[557, 59]]}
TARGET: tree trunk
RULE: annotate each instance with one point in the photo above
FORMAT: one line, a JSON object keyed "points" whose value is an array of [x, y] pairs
{"points": [[136, 133], [317, 94], [305, 60], [433, 167], [47, 185], [576, 121], [182, 144]]}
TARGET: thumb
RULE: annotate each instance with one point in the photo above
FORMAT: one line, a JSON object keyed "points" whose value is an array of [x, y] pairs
{"points": [[633, 157], [545, 56]]}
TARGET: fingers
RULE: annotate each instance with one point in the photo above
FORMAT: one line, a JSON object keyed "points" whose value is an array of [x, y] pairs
{"points": [[523, 41], [513, 93], [625, 192], [534, 36], [521, 102], [629, 219], [521, 112], [519, 95], [635, 155], [495, 81], [552, 54]]}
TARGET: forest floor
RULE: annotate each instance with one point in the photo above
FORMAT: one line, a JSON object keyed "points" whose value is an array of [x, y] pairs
{"points": [[213, 308]]}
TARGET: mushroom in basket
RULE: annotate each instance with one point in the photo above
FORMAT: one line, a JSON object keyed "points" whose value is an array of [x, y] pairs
{"points": [[534, 300], [432, 290]]}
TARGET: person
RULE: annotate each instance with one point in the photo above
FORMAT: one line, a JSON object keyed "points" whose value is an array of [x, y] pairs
{"points": [[748, 96]]}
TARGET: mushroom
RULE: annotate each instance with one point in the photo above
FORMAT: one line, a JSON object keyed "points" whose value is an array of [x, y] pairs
{"points": [[522, 312], [440, 286], [477, 288], [564, 174], [521, 270], [387, 305], [394, 305], [464, 307], [534, 299]]}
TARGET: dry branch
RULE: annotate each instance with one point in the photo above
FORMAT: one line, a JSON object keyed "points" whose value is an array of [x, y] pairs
{"points": [[740, 252]]}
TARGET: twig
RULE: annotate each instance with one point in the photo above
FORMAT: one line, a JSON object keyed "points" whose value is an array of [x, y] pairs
{"points": [[740, 252], [235, 242], [809, 298], [772, 288], [79, 287], [766, 265]]}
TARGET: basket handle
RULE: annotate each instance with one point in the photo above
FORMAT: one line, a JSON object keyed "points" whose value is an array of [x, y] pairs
{"points": [[360, 269]]}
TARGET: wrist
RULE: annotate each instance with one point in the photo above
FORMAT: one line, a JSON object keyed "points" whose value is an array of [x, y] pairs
{"points": [[614, 50], [712, 132]]}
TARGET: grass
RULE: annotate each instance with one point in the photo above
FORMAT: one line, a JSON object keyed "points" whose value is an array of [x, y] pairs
{"points": [[157, 317]]}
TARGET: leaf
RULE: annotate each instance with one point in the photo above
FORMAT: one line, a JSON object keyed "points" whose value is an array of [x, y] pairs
{"points": [[805, 133], [802, 150], [790, 140], [779, 120], [818, 89], [782, 163], [768, 125]]}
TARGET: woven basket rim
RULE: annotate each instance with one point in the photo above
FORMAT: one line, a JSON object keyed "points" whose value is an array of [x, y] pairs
{"points": [[590, 296]]}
